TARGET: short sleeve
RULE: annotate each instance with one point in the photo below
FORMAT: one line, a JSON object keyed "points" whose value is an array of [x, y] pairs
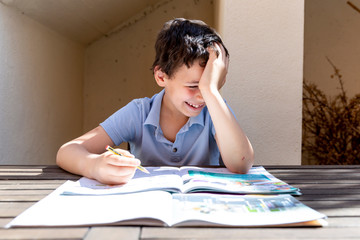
{"points": [[125, 124]]}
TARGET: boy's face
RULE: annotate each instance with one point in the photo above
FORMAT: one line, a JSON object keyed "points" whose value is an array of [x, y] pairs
{"points": [[182, 94]]}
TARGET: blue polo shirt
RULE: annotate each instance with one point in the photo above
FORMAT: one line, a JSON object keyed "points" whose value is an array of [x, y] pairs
{"points": [[138, 124]]}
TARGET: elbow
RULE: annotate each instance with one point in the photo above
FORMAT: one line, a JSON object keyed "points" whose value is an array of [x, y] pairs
{"points": [[241, 165], [60, 156]]}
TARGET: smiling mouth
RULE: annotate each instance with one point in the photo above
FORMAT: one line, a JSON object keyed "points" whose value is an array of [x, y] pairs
{"points": [[196, 106]]}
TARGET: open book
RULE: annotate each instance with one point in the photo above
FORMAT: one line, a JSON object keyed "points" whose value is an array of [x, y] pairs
{"points": [[160, 208], [189, 180]]}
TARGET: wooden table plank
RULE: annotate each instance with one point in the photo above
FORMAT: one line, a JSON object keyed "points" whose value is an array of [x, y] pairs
{"points": [[12, 209], [330, 177], [35, 172], [43, 233], [21, 187], [113, 233], [25, 192], [43, 176], [319, 167], [32, 182], [4, 221], [331, 204], [313, 186], [332, 191], [329, 197], [340, 212], [344, 222], [250, 233], [320, 181], [22, 198]]}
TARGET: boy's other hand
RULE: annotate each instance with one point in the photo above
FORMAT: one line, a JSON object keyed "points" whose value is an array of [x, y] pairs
{"points": [[214, 75], [113, 169]]}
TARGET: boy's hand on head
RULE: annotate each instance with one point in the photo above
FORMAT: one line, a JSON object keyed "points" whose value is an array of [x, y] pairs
{"points": [[214, 75], [113, 169]]}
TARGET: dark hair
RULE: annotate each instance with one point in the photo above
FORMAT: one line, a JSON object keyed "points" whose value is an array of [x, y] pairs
{"points": [[183, 41]]}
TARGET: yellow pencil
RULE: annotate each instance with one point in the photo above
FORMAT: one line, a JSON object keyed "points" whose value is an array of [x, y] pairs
{"points": [[141, 168]]}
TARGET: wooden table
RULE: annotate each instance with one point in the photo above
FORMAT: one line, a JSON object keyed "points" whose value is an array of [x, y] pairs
{"points": [[332, 190]]}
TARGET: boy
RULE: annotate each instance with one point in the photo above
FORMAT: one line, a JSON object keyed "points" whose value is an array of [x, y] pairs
{"points": [[187, 123]]}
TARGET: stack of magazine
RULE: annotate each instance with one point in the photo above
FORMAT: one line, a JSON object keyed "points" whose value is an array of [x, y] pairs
{"points": [[170, 196]]}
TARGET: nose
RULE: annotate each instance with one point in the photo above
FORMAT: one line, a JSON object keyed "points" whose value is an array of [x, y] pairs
{"points": [[199, 97]]}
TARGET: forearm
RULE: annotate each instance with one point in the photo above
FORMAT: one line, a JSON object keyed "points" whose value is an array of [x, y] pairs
{"points": [[235, 148], [87, 157], [76, 159]]}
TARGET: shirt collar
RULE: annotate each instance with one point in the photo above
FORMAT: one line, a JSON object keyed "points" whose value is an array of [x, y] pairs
{"points": [[153, 117], [199, 119]]}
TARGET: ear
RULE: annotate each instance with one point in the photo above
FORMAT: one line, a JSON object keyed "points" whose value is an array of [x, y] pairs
{"points": [[160, 76]]}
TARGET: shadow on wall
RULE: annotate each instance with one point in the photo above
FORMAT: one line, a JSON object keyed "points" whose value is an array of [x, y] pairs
{"points": [[331, 127]]}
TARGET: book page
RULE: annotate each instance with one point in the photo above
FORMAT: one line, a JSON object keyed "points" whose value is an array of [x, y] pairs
{"points": [[200, 209], [62, 210], [160, 178], [257, 180], [160, 208]]}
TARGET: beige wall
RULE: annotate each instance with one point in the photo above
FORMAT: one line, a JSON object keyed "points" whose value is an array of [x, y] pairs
{"points": [[332, 30], [264, 87], [40, 90], [117, 68]]}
